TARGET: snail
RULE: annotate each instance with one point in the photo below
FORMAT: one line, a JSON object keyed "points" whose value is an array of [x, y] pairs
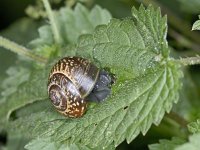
{"points": [[73, 82]]}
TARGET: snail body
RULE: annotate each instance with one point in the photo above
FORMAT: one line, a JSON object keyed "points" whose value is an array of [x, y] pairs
{"points": [[73, 81]]}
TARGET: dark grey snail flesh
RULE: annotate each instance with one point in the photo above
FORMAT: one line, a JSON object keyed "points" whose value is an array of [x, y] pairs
{"points": [[73, 81]]}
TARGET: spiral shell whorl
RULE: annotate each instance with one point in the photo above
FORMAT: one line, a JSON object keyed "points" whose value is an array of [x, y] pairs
{"points": [[69, 84], [68, 104]]}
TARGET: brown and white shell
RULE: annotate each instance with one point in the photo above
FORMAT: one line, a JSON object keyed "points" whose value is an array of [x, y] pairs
{"points": [[70, 81]]}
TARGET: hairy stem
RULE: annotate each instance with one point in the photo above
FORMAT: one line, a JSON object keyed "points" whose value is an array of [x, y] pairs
{"points": [[188, 61], [14, 47], [52, 20]]}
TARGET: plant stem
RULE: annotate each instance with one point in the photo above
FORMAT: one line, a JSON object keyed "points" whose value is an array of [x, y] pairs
{"points": [[14, 47], [53, 23], [178, 119], [188, 61]]}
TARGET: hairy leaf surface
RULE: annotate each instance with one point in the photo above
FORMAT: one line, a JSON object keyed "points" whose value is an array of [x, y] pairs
{"points": [[71, 24], [196, 25], [47, 143], [178, 144], [193, 143], [194, 127], [167, 144], [147, 83]]}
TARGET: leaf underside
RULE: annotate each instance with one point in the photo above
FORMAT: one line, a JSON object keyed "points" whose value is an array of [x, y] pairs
{"points": [[178, 144], [196, 25], [167, 144], [194, 127], [193, 143]]}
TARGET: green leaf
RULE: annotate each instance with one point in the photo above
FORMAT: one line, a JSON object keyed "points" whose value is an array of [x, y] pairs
{"points": [[180, 144], [15, 71], [21, 31], [82, 21], [147, 85], [188, 106], [10, 84], [47, 143], [115, 5], [194, 127], [28, 109], [196, 25], [193, 143], [125, 39], [27, 92], [16, 142], [73, 23], [167, 144], [46, 36], [46, 49]]}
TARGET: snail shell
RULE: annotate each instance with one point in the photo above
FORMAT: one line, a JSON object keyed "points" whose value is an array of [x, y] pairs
{"points": [[70, 81]]}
